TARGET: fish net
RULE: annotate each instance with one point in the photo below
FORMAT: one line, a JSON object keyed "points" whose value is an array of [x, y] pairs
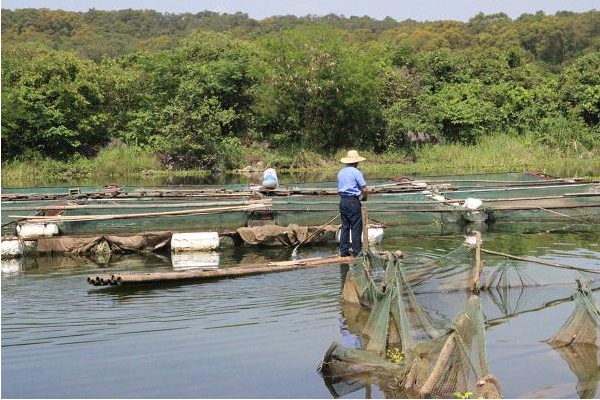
{"points": [[582, 325], [424, 312], [455, 271], [438, 358], [577, 341], [583, 361]]}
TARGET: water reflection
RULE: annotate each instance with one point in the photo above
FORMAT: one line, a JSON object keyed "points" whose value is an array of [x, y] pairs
{"points": [[583, 362], [508, 299], [267, 331], [11, 267]]}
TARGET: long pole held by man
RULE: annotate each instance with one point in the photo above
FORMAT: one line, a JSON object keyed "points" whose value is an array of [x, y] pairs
{"points": [[352, 188]]}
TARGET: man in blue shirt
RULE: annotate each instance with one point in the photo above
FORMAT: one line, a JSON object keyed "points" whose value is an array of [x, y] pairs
{"points": [[350, 186]]}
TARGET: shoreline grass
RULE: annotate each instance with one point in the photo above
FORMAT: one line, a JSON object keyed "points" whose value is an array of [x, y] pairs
{"points": [[499, 153]]}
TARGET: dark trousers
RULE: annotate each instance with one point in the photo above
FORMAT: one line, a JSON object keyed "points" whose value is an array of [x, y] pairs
{"points": [[351, 222]]}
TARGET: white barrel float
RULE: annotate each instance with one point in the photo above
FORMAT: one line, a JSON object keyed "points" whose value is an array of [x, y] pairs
{"points": [[195, 260], [472, 204], [11, 249], [27, 231], [375, 235], [194, 241]]}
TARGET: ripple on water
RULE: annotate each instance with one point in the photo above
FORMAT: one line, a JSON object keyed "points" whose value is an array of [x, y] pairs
{"points": [[256, 336]]}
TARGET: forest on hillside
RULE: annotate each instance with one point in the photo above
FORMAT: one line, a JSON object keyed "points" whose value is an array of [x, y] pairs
{"points": [[199, 89]]}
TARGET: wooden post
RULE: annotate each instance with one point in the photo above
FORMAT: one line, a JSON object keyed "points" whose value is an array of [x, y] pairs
{"points": [[365, 227], [477, 262]]}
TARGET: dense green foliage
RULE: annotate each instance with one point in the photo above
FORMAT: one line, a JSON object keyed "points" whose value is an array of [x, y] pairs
{"points": [[199, 89]]}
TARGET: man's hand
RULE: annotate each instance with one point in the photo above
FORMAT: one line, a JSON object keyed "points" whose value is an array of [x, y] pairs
{"points": [[364, 194]]}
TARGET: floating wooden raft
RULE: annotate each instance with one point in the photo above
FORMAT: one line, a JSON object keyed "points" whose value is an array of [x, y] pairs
{"points": [[397, 187], [234, 272]]}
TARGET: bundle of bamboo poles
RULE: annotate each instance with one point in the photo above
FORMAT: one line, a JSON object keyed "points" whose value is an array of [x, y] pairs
{"points": [[203, 275]]}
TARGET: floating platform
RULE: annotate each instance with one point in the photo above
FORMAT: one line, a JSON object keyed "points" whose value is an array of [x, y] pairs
{"points": [[433, 202]]}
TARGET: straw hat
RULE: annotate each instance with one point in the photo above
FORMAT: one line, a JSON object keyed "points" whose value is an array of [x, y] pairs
{"points": [[352, 157]]}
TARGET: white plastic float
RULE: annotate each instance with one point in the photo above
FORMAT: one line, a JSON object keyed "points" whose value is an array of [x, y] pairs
{"points": [[375, 235], [29, 231], [194, 241], [11, 249]]}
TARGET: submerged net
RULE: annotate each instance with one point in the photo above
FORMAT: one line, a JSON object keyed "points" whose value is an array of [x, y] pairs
{"points": [[425, 310], [577, 341], [455, 271], [582, 325], [438, 359], [583, 361]]}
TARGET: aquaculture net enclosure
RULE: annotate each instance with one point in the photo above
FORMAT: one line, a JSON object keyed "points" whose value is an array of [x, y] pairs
{"points": [[437, 359], [577, 341], [414, 343]]}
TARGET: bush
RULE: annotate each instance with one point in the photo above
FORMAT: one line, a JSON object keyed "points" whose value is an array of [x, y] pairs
{"points": [[124, 160], [230, 154], [568, 134]]}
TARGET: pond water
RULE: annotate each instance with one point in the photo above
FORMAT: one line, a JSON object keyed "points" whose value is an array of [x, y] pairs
{"points": [[252, 337]]}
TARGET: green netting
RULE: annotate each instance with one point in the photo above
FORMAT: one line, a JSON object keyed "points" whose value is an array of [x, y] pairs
{"points": [[444, 350], [587, 214], [439, 359], [481, 178], [500, 192], [582, 325], [455, 271], [416, 211], [578, 343], [583, 361]]}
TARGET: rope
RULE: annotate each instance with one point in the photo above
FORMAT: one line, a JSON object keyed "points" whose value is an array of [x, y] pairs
{"points": [[314, 233], [497, 253], [564, 215]]}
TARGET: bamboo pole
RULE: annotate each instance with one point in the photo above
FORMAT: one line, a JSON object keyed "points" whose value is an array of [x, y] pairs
{"points": [[478, 265], [564, 215], [436, 210], [509, 189], [565, 181], [440, 364], [199, 211], [537, 261], [137, 205], [234, 272], [115, 203]]}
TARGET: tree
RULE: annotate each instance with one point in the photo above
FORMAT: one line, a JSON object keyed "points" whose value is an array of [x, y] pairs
{"points": [[320, 91], [53, 105]]}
